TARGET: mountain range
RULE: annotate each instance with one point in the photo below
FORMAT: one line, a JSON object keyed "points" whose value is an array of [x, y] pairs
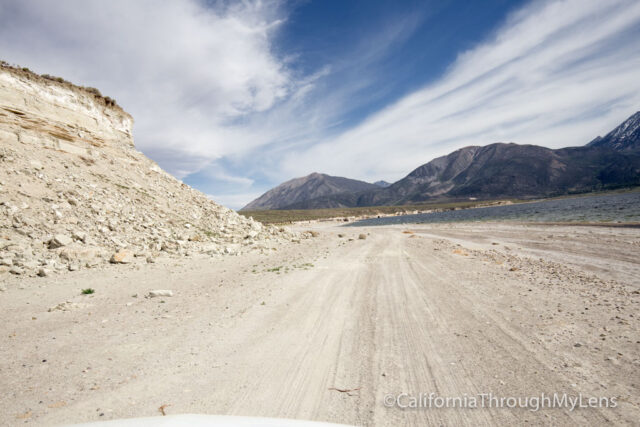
{"points": [[499, 170]]}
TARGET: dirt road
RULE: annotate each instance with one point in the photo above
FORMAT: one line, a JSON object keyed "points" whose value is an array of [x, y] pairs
{"points": [[326, 329]]}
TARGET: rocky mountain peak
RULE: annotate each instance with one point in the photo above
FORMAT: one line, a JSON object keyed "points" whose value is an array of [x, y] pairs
{"points": [[625, 137], [299, 190]]}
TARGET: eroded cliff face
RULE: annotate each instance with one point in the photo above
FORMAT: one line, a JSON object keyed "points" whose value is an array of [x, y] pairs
{"points": [[59, 116], [76, 194]]}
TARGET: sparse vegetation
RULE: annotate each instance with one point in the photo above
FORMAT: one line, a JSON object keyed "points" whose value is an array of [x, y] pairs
{"points": [[109, 102], [306, 265], [88, 291]]}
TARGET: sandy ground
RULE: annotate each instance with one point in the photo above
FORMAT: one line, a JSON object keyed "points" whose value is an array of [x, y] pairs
{"points": [[454, 310]]}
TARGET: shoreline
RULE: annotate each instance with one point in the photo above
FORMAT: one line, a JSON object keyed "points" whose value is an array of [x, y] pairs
{"points": [[480, 204]]}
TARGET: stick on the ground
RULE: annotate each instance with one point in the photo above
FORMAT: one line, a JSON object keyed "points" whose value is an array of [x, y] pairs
{"points": [[345, 390]]}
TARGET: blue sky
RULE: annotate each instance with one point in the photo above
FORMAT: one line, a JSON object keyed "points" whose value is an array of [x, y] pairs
{"points": [[236, 97]]}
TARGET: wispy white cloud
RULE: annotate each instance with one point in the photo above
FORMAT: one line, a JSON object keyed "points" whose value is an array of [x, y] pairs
{"points": [[557, 73]]}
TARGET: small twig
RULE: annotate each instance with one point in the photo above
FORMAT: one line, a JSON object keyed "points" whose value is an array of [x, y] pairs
{"points": [[161, 409], [349, 391]]}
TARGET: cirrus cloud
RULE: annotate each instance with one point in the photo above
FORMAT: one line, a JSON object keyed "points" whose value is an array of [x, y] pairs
{"points": [[557, 73]]}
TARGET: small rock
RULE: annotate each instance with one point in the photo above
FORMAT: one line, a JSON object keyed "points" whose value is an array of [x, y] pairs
{"points": [[160, 293], [43, 272], [6, 261], [362, 236], [74, 267], [36, 164], [16, 271], [59, 240], [81, 236], [577, 344], [30, 265], [123, 256]]}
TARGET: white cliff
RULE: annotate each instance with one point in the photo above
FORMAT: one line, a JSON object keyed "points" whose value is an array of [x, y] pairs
{"points": [[75, 193]]}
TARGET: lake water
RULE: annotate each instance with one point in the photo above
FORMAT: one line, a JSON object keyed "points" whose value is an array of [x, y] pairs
{"points": [[623, 207]]}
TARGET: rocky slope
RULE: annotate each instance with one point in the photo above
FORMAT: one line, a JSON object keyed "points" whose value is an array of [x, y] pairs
{"points": [[297, 191], [509, 171], [75, 193], [512, 170]]}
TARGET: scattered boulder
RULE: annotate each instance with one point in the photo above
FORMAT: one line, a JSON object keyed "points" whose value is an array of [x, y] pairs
{"points": [[81, 236], [16, 270], [123, 256], [362, 236], [59, 240], [29, 265], [80, 254]]}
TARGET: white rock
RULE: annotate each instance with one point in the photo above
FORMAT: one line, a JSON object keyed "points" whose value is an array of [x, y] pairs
{"points": [[16, 270], [60, 240], [123, 256], [80, 253], [80, 235], [36, 164], [160, 293], [31, 265]]}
